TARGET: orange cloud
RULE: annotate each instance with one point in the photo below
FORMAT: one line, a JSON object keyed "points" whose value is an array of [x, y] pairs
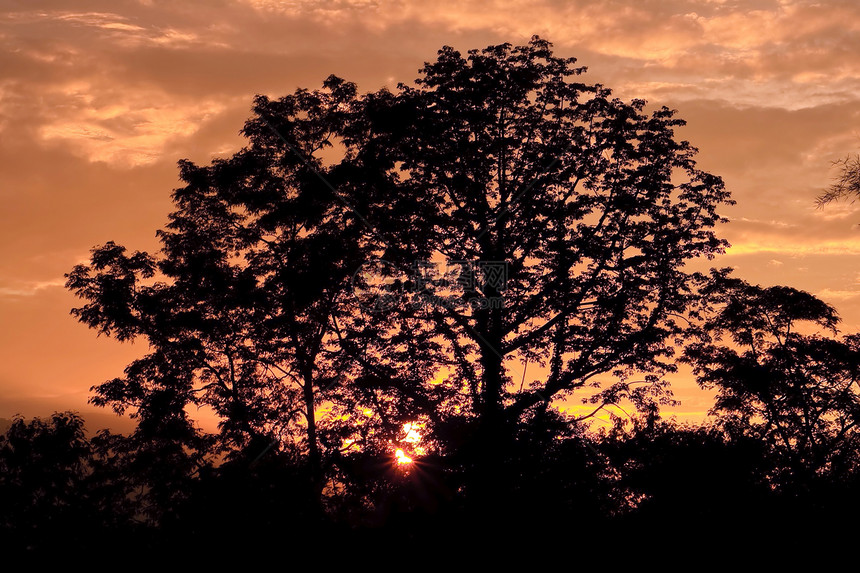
{"points": [[122, 127], [97, 103], [22, 288]]}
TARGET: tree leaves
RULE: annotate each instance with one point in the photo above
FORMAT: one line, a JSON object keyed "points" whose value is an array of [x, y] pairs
{"points": [[798, 392], [569, 214]]}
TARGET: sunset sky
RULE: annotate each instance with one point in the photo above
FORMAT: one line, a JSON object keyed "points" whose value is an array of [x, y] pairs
{"points": [[99, 101]]}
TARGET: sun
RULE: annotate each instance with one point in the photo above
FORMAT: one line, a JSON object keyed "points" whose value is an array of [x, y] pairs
{"points": [[411, 441], [401, 458]]}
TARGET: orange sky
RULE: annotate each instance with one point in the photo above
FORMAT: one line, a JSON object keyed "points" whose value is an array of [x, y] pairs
{"points": [[98, 103]]}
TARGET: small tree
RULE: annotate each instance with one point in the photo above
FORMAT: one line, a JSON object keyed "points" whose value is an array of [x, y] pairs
{"points": [[799, 393], [44, 465], [59, 489]]}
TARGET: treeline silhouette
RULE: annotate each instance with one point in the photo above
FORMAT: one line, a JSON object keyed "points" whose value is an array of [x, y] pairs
{"points": [[102, 495], [384, 297]]}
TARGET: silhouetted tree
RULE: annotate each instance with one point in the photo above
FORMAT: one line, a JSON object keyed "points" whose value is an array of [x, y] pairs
{"points": [[847, 183], [43, 469], [242, 307], [671, 475], [563, 218], [798, 393], [62, 491]]}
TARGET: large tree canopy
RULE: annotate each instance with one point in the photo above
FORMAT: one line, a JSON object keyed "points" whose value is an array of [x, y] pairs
{"points": [[514, 215], [503, 161]]}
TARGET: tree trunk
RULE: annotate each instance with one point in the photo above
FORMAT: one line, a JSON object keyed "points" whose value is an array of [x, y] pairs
{"points": [[316, 482]]}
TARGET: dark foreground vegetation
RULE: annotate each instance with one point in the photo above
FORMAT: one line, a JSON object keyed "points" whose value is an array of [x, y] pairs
{"points": [[385, 298], [660, 483]]}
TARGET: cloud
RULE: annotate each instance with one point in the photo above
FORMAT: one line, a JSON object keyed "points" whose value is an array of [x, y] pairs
{"points": [[99, 101], [787, 54], [838, 211], [765, 223], [837, 295], [116, 28], [104, 20], [102, 123], [29, 288], [797, 248]]}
